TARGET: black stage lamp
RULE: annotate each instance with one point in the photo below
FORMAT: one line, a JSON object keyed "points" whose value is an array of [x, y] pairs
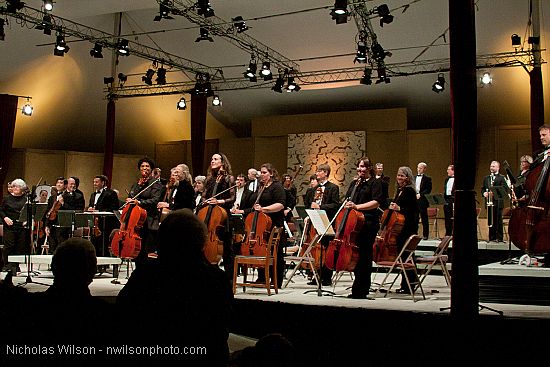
{"points": [[384, 13], [97, 51], [278, 87], [27, 108], [61, 47], [516, 41], [164, 11], [291, 85], [378, 52], [2, 33], [250, 73], [108, 80], [181, 105], [439, 85], [45, 24], [204, 8], [13, 6], [266, 71], [361, 55], [239, 24], [48, 5], [122, 78], [216, 101], [161, 76], [366, 78], [340, 11], [148, 77], [204, 36], [122, 47]]}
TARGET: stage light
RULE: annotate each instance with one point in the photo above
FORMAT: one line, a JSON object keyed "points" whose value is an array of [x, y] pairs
{"points": [[382, 77], [2, 33], [61, 47], [27, 108], [204, 35], [291, 85], [340, 11], [439, 85], [239, 24], [516, 41], [161, 76], [486, 79], [181, 105], [122, 78], [384, 13], [216, 101], [204, 8], [266, 71], [164, 11], [48, 5], [45, 24], [361, 55], [278, 87], [96, 52], [13, 6], [378, 52], [122, 47], [250, 73], [108, 80], [148, 77], [366, 78]]}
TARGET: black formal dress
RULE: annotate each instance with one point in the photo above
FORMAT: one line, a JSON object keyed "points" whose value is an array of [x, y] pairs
{"points": [[425, 188], [496, 230], [14, 236]]}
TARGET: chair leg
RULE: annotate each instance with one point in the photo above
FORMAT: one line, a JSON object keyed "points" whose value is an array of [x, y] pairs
{"points": [[267, 280], [235, 271], [245, 273], [275, 285]]}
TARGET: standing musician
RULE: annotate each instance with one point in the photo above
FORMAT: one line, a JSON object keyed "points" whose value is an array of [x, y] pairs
{"points": [[242, 196], [253, 181], [406, 204], [379, 169], [291, 195], [54, 203], [271, 202], [449, 195], [310, 192], [71, 199], [103, 199], [219, 175], [179, 191], [494, 179], [13, 239], [148, 200], [198, 186], [329, 202], [423, 187], [368, 197]]}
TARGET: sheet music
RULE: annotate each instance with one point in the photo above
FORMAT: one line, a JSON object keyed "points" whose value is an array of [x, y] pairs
{"points": [[320, 221]]}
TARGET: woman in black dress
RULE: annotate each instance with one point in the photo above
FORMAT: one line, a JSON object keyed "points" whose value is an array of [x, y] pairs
{"points": [[14, 231]]}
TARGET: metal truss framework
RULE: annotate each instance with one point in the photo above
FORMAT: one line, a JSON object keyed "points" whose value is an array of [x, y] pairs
{"points": [[509, 59]]}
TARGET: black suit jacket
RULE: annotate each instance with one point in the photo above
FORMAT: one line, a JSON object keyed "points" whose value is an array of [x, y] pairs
{"points": [[331, 199], [108, 201], [498, 181], [452, 196], [148, 200], [185, 196], [425, 188]]}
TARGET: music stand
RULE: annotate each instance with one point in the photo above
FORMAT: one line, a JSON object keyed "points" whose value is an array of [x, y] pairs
{"points": [[435, 199], [499, 193]]}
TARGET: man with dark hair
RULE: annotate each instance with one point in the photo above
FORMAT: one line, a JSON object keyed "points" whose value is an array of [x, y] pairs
{"points": [[53, 231], [103, 199]]}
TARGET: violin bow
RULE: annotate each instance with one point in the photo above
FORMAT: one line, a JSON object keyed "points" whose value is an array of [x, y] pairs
{"points": [[219, 193], [139, 193]]}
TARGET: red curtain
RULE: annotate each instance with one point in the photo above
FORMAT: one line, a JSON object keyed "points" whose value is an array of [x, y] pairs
{"points": [[8, 113], [109, 140], [198, 133]]}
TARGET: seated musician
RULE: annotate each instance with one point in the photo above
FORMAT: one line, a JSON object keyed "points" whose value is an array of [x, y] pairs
{"points": [[103, 199]]}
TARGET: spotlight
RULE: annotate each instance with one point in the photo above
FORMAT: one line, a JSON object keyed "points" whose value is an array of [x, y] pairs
{"points": [[439, 85], [361, 55], [278, 87], [516, 41], [27, 108], [204, 8], [61, 47], [45, 24], [239, 24], [291, 85], [203, 86], [108, 80], [148, 77], [250, 73], [2, 33], [382, 77], [216, 101], [366, 78], [181, 105], [384, 13], [13, 6], [96, 52], [266, 71], [486, 79], [378, 52], [340, 11], [48, 5], [204, 35], [161, 76], [122, 78], [164, 11], [122, 47]]}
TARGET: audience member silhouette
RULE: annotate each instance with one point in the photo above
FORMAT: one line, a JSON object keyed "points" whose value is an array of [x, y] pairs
{"points": [[271, 350], [180, 299]]}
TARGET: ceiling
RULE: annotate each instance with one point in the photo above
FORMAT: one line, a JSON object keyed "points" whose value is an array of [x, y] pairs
{"points": [[303, 31]]}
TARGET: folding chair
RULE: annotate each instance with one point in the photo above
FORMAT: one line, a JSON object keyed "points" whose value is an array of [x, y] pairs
{"points": [[439, 258], [432, 218], [403, 265], [266, 262]]}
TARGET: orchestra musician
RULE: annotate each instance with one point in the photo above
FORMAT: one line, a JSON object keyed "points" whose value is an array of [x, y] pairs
{"points": [[494, 179], [329, 202], [271, 202], [13, 240], [310, 192], [253, 181], [242, 196], [219, 177], [406, 204], [423, 185], [180, 193], [449, 196], [103, 199], [379, 170], [525, 163], [198, 186], [53, 231], [291, 194], [368, 197], [148, 200]]}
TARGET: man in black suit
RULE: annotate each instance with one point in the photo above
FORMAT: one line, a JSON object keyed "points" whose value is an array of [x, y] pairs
{"points": [[449, 195], [253, 182], [328, 199], [379, 169], [490, 181], [423, 187], [103, 199]]}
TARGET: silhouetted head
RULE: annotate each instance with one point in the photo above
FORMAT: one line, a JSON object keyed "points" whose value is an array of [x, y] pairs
{"points": [[74, 263]]}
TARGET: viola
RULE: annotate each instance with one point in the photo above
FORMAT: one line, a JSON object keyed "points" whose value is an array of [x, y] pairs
{"points": [[529, 226], [214, 216], [126, 241], [257, 226], [343, 251]]}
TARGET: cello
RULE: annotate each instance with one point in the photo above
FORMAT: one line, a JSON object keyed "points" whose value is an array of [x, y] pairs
{"points": [[126, 241], [529, 226], [385, 243], [309, 233], [214, 216], [257, 226], [343, 252]]}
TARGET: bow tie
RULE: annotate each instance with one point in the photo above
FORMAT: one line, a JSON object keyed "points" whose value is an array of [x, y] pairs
{"points": [[418, 175]]}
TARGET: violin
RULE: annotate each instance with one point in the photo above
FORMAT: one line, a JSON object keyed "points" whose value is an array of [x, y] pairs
{"points": [[529, 226], [52, 213], [385, 243], [343, 251], [257, 226], [214, 216]]}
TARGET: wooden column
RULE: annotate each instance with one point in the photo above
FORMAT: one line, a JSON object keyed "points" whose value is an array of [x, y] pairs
{"points": [[198, 133]]}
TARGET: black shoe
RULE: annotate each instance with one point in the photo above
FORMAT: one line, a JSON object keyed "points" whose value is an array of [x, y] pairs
{"points": [[424, 238], [402, 291], [313, 282], [326, 283]]}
